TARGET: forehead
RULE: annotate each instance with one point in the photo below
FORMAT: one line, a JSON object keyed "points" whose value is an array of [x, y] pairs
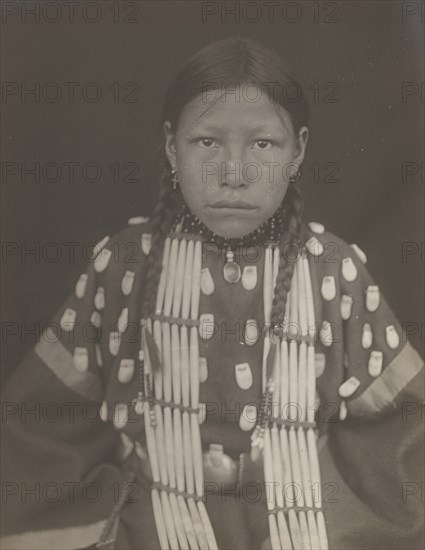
{"points": [[241, 107]]}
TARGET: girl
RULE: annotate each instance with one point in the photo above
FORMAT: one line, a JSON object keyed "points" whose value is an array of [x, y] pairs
{"points": [[251, 382]]}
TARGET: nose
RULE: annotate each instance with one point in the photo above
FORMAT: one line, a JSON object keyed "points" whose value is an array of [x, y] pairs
{"points": [[232, 174]]}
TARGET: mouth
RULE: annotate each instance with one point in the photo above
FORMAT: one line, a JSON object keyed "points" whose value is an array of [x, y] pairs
{"points": [[233, 205]]}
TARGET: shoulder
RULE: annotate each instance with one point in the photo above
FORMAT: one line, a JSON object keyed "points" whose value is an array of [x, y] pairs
{"points": [[124, 250], [327, 247]]}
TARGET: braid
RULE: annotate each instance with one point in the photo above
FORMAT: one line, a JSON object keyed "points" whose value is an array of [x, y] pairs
{"points": [[293, 204], [162, 221]]}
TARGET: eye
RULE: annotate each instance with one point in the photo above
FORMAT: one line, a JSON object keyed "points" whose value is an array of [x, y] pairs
{"points": [[206, 142], [263, 144]]}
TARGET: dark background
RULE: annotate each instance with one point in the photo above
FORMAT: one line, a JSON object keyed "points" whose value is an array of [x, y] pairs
{"points": [[363, 49]]}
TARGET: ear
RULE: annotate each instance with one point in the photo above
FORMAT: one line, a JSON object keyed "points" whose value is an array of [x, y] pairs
{"points": [[302, 140], [170, 147]]}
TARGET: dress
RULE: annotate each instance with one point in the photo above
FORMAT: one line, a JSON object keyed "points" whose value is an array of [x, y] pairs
{"points": [[66, 468]]}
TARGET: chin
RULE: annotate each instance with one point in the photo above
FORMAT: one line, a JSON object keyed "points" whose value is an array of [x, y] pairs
{"points": [[232, 229]]}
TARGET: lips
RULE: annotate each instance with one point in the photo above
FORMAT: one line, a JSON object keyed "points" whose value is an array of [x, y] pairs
{"points": [[239, 205]]}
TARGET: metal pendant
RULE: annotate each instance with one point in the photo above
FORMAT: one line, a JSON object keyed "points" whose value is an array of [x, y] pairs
{"points": [[231, 270]]}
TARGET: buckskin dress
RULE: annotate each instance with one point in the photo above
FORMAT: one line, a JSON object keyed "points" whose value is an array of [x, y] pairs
{"points": [[70, 459]]}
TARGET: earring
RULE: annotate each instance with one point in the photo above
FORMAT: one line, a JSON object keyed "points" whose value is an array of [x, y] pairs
{"points": [[175, 178]]}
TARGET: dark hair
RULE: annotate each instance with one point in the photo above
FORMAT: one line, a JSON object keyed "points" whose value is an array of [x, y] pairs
{"points": [[229, 62]]}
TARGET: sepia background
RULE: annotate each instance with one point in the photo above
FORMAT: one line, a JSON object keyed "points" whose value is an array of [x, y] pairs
{"points": [[361, 64]]}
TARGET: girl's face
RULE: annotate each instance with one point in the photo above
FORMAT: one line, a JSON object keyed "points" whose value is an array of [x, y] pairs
{"points": [[234, 157]]}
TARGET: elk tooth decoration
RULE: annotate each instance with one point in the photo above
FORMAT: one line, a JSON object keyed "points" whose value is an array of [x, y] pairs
{"points": [[114, 342], [314, 246], [317, 227], [343, 411], [349, 270], [372, 298], [80, 287], [137, 220], [81, 359], [328, 288], [359, 252], [127, 283], [68, 318], [96, 319], [126, 371], [393, 339], [99, 246], [102, 260], [243, 375], [207, 282], [206, 326], [203, 369], [319, 363], [374, 366], [103, 413], [248, 418], [346, 306], [326, 336], [146, 243], [231, 269], [123, 320], [120, 417], [349, 387], [99, 299], [249, 277], [99, 359], [252, 332], [367, 336]]}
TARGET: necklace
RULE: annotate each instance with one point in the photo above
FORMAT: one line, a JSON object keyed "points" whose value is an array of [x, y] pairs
{"points": [[269, 231]]}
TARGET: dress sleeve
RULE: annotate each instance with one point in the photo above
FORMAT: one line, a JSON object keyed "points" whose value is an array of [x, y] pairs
{"points": [[377, 441], [60, 478]]}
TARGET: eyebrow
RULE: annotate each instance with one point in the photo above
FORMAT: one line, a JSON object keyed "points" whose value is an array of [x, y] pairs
{"points": [[210, 126]]}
